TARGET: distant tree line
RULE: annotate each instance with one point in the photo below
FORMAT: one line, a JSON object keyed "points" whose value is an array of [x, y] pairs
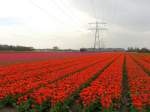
{"points": [[142, 50], [15, 48], [101, 49]]}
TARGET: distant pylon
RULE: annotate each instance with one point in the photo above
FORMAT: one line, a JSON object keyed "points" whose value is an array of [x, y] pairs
{"points": [[99, 26]]}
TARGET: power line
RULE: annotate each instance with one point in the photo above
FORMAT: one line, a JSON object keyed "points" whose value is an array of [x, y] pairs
{"points": [[99, 26], [45, 11], [94, 9], [66, 12]]}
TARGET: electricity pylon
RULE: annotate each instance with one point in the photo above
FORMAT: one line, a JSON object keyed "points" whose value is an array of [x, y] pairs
{"points": [[99, 26]]}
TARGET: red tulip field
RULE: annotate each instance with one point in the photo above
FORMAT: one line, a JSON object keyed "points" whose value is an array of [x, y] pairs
{"points": [[75, 82]]}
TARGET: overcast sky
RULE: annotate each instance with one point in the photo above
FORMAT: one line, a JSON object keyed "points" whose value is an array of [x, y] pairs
{"points": [[64, 23]]}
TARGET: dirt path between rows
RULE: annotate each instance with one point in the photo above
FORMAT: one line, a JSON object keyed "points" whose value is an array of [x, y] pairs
{"points": [[8, 109]]}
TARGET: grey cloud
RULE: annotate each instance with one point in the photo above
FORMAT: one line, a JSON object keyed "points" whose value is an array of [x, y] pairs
{"points": [[131, 14], [131, 17]]}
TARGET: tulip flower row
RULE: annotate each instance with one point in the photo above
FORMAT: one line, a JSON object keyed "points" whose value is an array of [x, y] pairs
{"points": [[11, 58], [62, 69], [106, 87], [24, 82], [144, 63], [144, 57], [93, 78], [62, 89], [139, 84], [21, 68]]}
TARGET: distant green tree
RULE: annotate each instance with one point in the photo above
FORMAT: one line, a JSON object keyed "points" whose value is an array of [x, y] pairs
{"points": [[83, 50], [55, 48], [142, 50], [15, 48]]}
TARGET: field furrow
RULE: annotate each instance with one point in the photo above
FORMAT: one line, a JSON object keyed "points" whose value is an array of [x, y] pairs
{"points": [[88, 82]]}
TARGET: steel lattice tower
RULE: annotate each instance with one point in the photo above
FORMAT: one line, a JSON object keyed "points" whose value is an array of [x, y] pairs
{"points": [[98, 26]]}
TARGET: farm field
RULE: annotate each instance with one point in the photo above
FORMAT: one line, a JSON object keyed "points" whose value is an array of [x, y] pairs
{"points": [[75, 82], [7, 58]]}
